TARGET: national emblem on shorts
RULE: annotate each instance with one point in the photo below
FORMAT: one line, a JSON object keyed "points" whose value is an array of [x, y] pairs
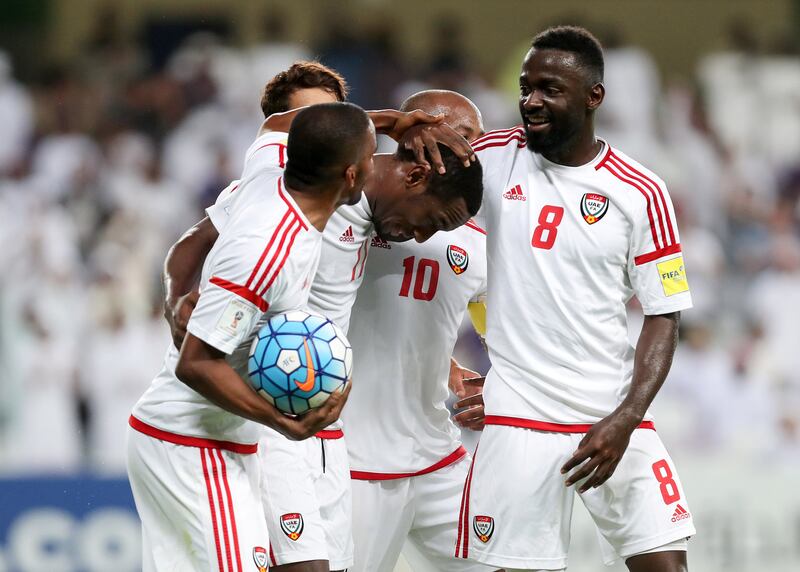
{"points": [[260, 558], [292, 525], [458, 259], [483, 526], [593, 207]]}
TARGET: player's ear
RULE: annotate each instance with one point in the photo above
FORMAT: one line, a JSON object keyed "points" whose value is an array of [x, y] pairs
{"points": [[596, 95], [350, 176], [416, 178]]}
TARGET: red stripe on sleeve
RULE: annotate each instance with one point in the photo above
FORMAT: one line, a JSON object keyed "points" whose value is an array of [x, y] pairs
{"points": [[501, 143], [656, 188], [664, 240], [471, 224], [656, 254], [289, 204], [646, 196], [276, 254], [253, 275], [283, 260], [499, 134], [242, 292]]}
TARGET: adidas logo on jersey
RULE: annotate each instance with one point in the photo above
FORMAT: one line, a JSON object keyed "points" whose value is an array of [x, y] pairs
{"points": [[680, 514], [378, 242], [515, 194], [347, 236]]}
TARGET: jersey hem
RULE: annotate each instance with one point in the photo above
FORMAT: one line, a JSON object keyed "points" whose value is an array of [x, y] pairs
{"points": [[189, 441], [549, 427], [519, 562], [633, 548], [379, 476]]}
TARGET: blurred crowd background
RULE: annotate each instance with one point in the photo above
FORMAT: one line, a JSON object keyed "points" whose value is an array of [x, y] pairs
{"points": [[112, 147]]}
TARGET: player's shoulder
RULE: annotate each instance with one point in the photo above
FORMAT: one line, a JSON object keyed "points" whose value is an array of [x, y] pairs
{"points": [[473, 231], [501, 140], [268, 149], [629, 179]]}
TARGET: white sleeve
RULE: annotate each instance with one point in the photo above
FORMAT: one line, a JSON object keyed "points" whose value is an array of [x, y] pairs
{"points": [[267, 152], [218, 212], [238, 293], [655, 262]]}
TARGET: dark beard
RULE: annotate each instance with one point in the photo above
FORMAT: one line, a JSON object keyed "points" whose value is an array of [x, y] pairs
{"points": [[555, 142]]}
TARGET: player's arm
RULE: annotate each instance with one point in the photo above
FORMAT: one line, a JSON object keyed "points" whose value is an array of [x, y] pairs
{"points": [[605, 443], [397, 124], [181, 273], [658, 278], [203, 368], [467, 385]]}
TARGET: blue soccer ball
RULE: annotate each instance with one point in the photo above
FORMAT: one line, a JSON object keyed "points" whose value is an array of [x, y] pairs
{"points": [[298, 359]]}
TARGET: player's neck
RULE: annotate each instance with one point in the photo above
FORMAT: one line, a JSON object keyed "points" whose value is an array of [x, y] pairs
{"points": [[317, 203], [384, 165], [575, 153]]}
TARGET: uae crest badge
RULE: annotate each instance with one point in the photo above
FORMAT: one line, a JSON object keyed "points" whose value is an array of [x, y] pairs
{"points": [[458, 259], [593, 207], [260, 558], [292, 525], [484, 527]]}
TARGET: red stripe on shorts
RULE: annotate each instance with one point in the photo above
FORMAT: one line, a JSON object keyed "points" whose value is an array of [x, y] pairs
{"points": [[211, 508], [230, 507]]}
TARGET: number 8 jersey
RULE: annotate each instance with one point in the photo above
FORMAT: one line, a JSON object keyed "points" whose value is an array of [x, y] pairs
{"points": [[567, 247]]}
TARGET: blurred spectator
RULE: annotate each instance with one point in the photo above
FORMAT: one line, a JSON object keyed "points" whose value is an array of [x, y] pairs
{"points": [[16, 117]]}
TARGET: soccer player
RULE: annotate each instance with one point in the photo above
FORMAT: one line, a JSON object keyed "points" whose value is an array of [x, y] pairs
{"points": [[575, 228], [407, 462], [307, 493], [194, 431]]}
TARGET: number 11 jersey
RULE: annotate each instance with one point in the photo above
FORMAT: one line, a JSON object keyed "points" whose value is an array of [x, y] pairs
{"points": [[567, 247]]}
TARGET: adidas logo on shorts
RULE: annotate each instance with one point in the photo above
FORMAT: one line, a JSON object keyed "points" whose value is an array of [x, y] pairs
{"points": [[680, 514]]}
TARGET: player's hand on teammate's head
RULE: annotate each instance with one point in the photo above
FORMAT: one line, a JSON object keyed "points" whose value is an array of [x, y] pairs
{"points": [[472, 416], [406, 119], [308, 424], [178, 316], [423, 141]]}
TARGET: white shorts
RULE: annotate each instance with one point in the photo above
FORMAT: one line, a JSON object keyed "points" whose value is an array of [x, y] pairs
{"points": [[517, 510], [307, 499], [421, 509], [199, 505]]}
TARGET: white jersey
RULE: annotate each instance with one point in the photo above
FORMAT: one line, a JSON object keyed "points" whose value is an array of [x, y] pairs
{"points": [[403, 330], [345, 240], [567, 248], [261, 265]]}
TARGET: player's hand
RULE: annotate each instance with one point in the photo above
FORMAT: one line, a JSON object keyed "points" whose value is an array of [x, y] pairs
{"points": [[178, 315], [308, 424], [472, 416], [457, 376], [405, 120], [600, 451], [422, 138]]}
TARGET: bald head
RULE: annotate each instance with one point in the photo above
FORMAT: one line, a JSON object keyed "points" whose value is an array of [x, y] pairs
{"points": [[459, 112]]}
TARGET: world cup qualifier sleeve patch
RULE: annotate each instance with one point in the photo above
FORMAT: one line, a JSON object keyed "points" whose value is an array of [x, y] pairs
{"points": [[483, 527], [673, 276], [593, 207], [292, 525]]}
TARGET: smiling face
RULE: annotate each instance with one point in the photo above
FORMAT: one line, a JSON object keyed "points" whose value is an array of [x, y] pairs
{"points": [[556, 100]]}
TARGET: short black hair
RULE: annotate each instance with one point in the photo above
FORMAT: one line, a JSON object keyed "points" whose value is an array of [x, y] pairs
{"points": [[577, 40], [323, 140], [457, 181]]}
